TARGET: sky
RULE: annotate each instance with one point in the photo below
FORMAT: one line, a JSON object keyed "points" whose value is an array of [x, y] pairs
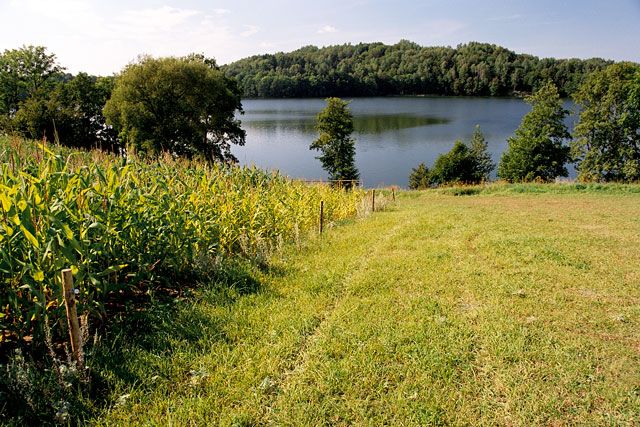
{"points": [[101, 37]]}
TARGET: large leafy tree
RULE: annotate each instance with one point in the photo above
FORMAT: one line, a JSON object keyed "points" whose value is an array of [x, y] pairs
{"points": [[184, 106], [335, 126], [607, 136], [38, 101], [27, 77], [538, 151], [83, 98], [26, 72], [70, 113]]}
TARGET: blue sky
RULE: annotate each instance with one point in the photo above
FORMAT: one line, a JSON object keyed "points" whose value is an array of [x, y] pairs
{"points": [[101, 37]]}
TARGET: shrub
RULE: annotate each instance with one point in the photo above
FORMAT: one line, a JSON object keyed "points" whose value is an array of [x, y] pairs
{"points": [[467, 164], [420, 177]]}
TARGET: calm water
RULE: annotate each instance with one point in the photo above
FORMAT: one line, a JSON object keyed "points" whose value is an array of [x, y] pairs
{"points": [[392, 135]]}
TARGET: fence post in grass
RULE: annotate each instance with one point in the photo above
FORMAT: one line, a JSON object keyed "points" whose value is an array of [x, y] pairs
{"points": [[393, 193], [321, 216], [373, 200], [72, 317]]}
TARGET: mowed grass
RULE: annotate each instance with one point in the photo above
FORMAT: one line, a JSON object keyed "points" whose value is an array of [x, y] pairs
{"points": [[491, 309]]}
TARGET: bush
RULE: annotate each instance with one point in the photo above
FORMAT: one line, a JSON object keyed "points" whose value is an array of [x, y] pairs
{"points": [[456, 166], [466, 164], [420, 178]]}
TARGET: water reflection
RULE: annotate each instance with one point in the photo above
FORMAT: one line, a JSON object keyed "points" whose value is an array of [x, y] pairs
{"points": [[377, 124], [393, 134], [367, 124]]}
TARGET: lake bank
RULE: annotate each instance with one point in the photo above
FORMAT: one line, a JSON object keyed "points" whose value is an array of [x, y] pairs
{"points": [[393, 134]]}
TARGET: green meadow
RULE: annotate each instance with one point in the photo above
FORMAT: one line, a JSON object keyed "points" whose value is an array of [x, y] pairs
{"points": [[502, 305]]}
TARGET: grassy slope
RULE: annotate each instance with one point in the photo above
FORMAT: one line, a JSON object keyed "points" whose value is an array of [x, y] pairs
{"points": [[502, 309]]}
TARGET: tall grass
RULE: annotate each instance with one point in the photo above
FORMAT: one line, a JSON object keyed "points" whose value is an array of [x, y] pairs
{"points": [[125, 224]]}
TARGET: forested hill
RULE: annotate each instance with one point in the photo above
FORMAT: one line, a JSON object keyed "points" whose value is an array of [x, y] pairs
{"points": [[405, 68]]}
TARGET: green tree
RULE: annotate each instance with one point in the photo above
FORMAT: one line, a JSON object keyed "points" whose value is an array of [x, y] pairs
{"points": [[70, 113], [456, 166], [465, 163], [420, 177], [185, 106], [483, 164], [39, 116], [537, 150], [84, 97], [406, 68], [607, 136], [335, 126], [25, 72]]}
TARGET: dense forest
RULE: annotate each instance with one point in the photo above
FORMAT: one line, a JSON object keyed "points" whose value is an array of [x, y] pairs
{"points": [[406, 68]]}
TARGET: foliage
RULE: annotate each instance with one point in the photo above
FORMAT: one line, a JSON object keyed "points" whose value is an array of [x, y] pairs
{"points": [[335, 126], [123, 225], [420, 177], [537, 150], [456, 166], [183, 106], [82, 99], [368, 69], [607, 136], [464, 163], [38, 101], [71, 112], [483, 164], [25, 72]]}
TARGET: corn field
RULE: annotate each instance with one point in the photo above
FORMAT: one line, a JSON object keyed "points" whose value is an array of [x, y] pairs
{"points": [[125, 223]]}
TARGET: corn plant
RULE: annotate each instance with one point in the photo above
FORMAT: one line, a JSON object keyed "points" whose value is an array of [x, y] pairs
{"points": [[123, 224]]}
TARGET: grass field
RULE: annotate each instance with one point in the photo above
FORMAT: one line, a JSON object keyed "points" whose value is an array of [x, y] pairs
{"points": [[510, 308]]}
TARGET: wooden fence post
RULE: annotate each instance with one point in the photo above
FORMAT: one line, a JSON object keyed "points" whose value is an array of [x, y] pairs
{"points": [[373, 200], [72, 317], [321, 216], [393, 193]]}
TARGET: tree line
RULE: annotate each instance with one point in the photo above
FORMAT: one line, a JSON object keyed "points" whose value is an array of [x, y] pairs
{"points": [[187, 107], [39, 100], [184, 106], [405, 68], [604, 146]]}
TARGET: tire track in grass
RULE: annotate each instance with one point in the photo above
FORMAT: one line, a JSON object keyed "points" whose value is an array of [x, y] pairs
{"points": [[265, 339], [389, 329], [300, 361]]}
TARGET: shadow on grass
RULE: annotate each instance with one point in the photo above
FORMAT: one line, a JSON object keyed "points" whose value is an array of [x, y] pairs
{"points": [[144, 329], [156, 328]]}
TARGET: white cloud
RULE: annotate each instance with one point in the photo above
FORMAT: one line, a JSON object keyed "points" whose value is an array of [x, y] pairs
{"points": [[250, 30], [164, 18], [84, 38], [327, 29]]}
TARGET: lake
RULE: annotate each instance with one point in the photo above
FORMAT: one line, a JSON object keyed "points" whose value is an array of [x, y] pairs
{"points": [[393, 134]]}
